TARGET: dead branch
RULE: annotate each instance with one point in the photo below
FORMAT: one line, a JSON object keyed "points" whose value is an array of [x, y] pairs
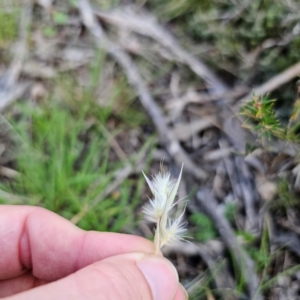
{"points": [[274, 83], [162, 36], [191, 96], [166, 135], [146, 24], [208, 203]]}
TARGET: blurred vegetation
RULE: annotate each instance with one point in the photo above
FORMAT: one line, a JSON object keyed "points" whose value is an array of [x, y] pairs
{"points": [[63, 156], [204, 229], [243, 41], [8, 27]]}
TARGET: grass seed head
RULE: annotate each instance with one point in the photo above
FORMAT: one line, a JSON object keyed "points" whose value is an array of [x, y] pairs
{"points": [[158, 210]]}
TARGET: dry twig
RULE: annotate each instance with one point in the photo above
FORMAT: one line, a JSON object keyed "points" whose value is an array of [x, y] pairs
{"points": [[166, 135], [193, 97], [147, 25], [274, 83], [210, 206]]}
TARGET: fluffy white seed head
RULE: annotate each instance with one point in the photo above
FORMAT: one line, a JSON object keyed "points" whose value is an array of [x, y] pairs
{"points": [[164, 189], [159, 186], [174, 231], [153, 210]]}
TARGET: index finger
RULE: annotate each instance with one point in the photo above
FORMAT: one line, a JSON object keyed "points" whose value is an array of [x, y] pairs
{"points": [[33, 238]]}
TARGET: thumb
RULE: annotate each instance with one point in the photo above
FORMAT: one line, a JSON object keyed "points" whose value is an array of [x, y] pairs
{"points": [[131, 276]]}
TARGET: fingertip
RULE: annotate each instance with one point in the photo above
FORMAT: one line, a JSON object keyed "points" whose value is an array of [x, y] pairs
{"points": [[160, 275]]}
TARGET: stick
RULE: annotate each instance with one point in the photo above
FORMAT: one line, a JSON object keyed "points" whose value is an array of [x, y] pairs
{"points": [[275, 82], [208, 203], [167, 137], [147, 25]]}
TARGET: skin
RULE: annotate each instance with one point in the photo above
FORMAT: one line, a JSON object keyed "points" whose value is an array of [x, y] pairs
{"points": [[44, 256]]}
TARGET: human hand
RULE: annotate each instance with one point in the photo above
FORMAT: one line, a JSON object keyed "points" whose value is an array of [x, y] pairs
{"points": [[43, 256]]}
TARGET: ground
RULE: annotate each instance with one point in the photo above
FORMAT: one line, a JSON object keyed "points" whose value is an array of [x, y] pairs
{"points": [[94, 92]]}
